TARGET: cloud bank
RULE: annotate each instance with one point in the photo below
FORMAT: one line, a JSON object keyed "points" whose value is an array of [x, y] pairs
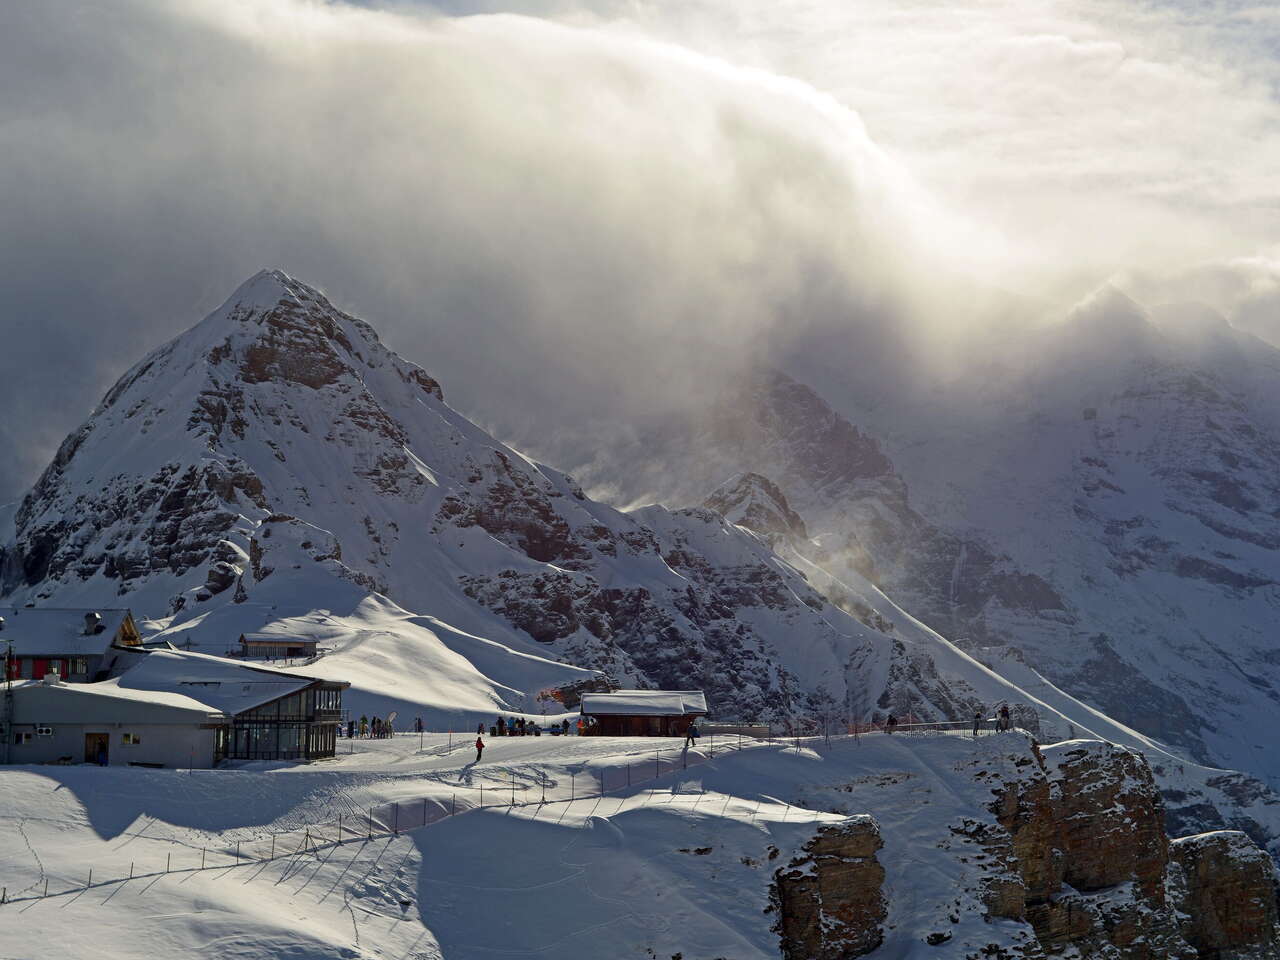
{"points": [[594, 207]]}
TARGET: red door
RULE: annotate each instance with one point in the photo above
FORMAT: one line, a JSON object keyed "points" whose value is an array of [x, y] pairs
{"points": [[39, 668]]}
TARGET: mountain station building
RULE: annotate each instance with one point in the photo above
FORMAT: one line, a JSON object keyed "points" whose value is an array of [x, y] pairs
{"points": [[176, 709], [643, 713]]}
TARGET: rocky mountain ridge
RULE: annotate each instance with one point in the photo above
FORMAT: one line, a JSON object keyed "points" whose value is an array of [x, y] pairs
{"points": [[280, 433], [277, 468], [1099, 498]]}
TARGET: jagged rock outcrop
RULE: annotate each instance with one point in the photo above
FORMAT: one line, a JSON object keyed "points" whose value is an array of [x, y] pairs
{"points": [[1082, 857], [1227, 896], [829, 899]]}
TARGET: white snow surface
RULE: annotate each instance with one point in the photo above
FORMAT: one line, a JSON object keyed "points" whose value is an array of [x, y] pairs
{"points": [[679, 862]]}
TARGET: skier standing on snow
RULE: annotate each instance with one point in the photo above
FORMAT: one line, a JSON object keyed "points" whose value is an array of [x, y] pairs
{"points": [[479, 748], [889, 724], [565, 726], [977, 721], [480, 729], [364, 726], [502, 727], [1004, 717]]}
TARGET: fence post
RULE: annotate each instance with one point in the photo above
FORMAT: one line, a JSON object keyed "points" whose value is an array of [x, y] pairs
{"points": [[482, 796], [395, 823], [168, 862], [453, 804], [130, 869], [89, 882], [339, 828], [424, 811], [46, 886], [572, 777], [237, 853], [273, 847], [201, 858], [513, 788], [371, 823], [657, 763]]}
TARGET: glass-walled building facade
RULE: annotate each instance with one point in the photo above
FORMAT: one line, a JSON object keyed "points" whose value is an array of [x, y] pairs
{"points": [[300, 726]]}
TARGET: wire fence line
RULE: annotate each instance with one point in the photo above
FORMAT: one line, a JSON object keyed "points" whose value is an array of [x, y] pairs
{"points": [[390, 819], [380, 821]]}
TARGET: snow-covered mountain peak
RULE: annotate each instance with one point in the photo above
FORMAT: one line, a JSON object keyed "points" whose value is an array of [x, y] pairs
{"points": [[754, 501], [1108, 306]]}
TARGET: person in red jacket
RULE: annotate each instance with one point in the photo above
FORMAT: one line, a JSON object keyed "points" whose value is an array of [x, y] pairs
{"points": [[479, 748]]}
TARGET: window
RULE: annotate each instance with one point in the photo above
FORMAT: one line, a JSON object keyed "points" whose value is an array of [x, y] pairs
{"points": [[23, 737], [131, 739], [79, 666]]}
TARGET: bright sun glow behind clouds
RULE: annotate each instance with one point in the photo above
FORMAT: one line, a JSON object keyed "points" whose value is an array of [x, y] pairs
{"points": [[605, 204], [1095, 135]]}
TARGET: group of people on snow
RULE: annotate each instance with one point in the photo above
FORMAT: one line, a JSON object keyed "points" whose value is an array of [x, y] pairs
{"points": [[370, 728]]}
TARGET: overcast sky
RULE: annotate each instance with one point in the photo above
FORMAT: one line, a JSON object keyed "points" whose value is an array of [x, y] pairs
{"points": [[553, 205]]}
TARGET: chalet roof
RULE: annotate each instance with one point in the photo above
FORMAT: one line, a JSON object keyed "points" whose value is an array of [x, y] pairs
{"points": [[224, 685], [644, 703], [59, 631], [37, 702]]}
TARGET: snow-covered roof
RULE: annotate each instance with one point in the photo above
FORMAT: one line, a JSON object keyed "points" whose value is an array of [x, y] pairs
{"points": [[59, 631], [644, 703], [221, 684], [38, 702]]}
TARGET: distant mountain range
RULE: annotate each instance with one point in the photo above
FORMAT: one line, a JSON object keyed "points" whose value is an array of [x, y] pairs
{"points": [[276, 468]]}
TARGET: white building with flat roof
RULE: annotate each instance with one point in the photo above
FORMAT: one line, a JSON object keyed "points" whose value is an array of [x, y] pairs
{"points": [[176, 709]]}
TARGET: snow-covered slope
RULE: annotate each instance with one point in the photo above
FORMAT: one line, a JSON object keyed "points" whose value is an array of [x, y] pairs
{"points": [[277, 467], [952, 835]]}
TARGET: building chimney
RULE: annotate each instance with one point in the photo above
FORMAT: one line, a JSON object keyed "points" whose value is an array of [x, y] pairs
{"points": [[92, 623]]}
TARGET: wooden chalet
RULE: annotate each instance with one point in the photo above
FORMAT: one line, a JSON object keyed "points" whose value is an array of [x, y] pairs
{"points": [[77, 644], [643, 713]]}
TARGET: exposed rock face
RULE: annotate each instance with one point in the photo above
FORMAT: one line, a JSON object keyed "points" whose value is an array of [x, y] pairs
{"points": [[829, 899], [1082, 857], [1228, 895]]}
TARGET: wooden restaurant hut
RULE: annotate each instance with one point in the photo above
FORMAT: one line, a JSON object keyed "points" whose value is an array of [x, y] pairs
{"points": [[643, 713]]}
